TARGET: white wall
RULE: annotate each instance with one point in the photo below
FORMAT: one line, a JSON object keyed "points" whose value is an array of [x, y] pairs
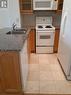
{"points": [[4, 17], [10, 14], [14, 12], [24, 65], [67, 5]]}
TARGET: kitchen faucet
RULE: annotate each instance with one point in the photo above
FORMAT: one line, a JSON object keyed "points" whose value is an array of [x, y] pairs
{"points": [[13, 26]]}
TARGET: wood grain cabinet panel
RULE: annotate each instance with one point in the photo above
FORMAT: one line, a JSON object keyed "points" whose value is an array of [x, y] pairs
{"points": [[32, 40], [10, 71], [1, 80], [60, 5], [56, 40], [26, 6]]}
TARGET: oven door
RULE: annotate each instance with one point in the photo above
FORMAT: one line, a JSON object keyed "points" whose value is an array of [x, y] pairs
{"points": [[42, 4], [44, 39]]}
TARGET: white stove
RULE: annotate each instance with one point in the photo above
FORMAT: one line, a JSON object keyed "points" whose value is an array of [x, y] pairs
{"points": [[44, 23], [45, 33], [45, 27]]}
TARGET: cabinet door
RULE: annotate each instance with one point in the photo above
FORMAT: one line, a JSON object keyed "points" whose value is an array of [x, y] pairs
{"points": [[56, 41], [9, 62], [1, 79], [60, 5], [26, 6], [32, 41], [1, 88]]}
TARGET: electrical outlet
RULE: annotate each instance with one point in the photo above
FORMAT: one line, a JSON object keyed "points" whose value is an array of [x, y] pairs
{"points": [[3, 4]]}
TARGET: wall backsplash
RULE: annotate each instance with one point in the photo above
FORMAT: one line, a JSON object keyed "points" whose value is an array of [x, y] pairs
{"points": [[57, 20], [30, 20], [27, 20]]}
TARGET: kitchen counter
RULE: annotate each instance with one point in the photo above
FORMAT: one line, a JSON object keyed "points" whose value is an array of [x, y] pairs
{"points": [[14, 58], [12, 42]]}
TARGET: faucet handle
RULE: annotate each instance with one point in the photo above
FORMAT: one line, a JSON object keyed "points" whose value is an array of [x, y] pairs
{"points": [[13, 26]]}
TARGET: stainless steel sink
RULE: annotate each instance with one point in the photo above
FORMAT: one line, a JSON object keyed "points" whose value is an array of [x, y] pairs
{"points": [[20, 29], [17, 31]]}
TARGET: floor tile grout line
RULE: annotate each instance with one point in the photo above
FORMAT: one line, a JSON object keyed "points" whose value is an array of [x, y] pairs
{"points": [[39, 74]]}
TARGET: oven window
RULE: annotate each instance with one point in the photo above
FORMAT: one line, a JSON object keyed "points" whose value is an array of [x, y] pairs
{"points": [[45, 37], [43, 4]]}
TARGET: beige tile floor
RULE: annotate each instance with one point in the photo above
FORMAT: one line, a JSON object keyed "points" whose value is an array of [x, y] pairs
{"points": [[45, 76]]}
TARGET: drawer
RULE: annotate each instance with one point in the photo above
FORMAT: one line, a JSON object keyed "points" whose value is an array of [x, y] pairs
{"points": [[44, 49]]}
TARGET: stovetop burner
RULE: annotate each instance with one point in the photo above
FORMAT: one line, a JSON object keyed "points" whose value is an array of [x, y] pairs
{"points": [[40, 26], [48, 26], [45, 27]]}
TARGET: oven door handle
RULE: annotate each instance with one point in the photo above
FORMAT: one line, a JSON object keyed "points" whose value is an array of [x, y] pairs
{"points": [[45, 36]]}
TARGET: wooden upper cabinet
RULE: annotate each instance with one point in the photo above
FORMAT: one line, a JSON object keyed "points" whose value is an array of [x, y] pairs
{"points": [[60, 5], [10, 72], [26, 6]]}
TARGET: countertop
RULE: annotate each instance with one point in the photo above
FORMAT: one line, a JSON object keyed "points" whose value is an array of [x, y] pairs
{"points": [[12, 42]]}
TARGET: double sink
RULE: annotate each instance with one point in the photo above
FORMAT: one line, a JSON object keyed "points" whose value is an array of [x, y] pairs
{"points": [[17, 31]]}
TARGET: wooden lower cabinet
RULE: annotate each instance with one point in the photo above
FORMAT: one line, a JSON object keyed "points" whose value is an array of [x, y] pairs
{"points": [[1, 81], [32, 41], [10, 79], [56, 40]]}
